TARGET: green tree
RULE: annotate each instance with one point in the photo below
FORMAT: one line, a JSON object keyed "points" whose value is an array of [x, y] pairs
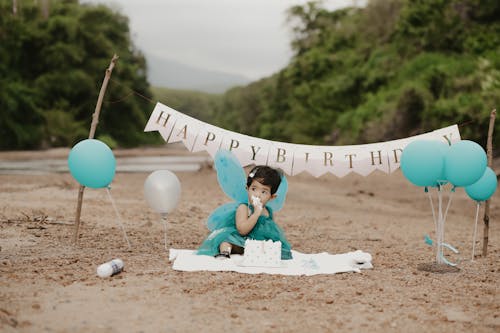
{"points": [[389, 70], [53, 65]]}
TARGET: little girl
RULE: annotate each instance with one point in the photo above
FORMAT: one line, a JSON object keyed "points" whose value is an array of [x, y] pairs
{"points": [[248, 221]]}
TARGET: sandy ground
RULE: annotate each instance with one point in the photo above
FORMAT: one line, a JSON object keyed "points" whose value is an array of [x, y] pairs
{"points": [[47, 284]]}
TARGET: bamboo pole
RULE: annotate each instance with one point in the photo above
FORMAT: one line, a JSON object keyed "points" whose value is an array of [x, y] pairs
{"points": [[489, 151], [93, 126]]}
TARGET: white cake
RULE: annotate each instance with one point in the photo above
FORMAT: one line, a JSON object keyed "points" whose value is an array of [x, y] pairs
{"points": [[262, 253]]}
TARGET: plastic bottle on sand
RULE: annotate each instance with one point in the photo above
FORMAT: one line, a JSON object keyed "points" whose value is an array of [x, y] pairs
{"points": [[110, 268]]}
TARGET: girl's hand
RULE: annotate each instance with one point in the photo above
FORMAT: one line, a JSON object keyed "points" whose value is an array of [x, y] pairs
{"points": [[257, 205], [258, 209]]}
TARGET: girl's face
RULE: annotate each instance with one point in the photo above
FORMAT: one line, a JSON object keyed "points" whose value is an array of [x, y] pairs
{"points": [[263, 192]]}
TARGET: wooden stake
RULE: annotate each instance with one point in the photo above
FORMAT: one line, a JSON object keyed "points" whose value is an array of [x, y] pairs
{"points": [[93, 126], [489, 151]]}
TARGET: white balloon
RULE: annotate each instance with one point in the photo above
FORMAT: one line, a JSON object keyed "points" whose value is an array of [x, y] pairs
{"points": [[162, 190]]}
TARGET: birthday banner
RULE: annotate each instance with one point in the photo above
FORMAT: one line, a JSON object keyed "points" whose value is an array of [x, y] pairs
{"points": [[293, 159]]}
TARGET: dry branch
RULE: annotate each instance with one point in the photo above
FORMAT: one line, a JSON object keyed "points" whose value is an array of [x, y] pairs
{"points": [[489, 151], [93, 126]]}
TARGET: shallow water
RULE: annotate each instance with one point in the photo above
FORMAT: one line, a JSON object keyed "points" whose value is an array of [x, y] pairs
{"points": [[123, 164]]}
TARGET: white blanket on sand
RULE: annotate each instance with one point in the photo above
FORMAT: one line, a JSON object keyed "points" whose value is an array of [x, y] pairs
{"points": [[301, 264]]}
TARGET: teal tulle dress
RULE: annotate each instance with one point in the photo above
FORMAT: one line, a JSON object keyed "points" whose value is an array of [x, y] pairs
{"points": [[222, 221]]}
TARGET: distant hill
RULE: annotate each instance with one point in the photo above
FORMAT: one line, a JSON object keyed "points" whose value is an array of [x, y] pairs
{"points": [[172, 74]]}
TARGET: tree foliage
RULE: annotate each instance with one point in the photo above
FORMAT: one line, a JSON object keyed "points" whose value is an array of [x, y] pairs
{"points": [[51, 70], [389, 70]]}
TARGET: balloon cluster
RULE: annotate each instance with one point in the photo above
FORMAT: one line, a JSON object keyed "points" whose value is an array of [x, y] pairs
{"points": [[463, 164], [92, 163]]}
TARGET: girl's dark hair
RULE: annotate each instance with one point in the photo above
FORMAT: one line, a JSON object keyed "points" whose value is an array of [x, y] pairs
{"points": [[266, 176]]}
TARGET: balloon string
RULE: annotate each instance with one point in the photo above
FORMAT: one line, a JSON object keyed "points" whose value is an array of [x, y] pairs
{"points": [[442, 226], [440, 236], [449, 263], [449, 203], [475, 230], [429, 241], [432, 208], [164, 221], [118, 216]]}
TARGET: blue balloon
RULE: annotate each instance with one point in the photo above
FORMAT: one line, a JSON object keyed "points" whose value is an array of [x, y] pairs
{"points": [[484, 188], [465, 163], [422, 162], [92, 163]]}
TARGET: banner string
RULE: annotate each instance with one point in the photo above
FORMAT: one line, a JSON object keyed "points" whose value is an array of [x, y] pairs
{"points": [[150, 100], [465, 124], [121, 99], [132, 92]]}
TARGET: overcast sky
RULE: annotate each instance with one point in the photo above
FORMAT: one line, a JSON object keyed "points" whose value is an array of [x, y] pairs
{"points": [[247, 37]]}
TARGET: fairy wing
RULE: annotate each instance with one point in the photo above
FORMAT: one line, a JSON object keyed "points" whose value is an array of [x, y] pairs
{"points": [[230, 174], [232, 180], [222, 216], [277, 203]]}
